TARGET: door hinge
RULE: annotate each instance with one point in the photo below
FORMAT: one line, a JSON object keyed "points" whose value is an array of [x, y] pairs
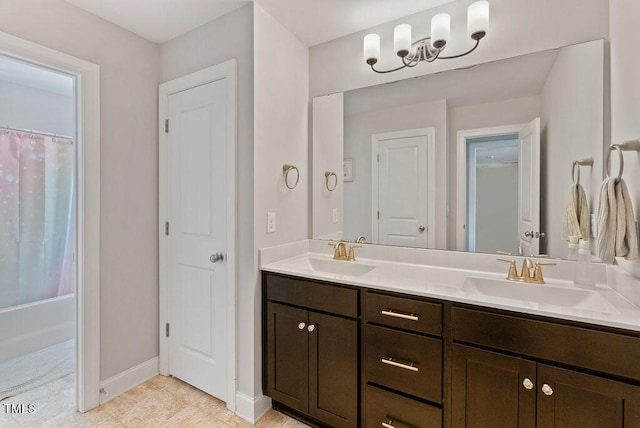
{"points": [[378, 215], [378, 157], [166, 228], [166, 330], [166, 126]]}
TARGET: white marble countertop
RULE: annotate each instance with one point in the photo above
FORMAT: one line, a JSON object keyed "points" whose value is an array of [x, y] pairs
{"points": [[557, 299]]}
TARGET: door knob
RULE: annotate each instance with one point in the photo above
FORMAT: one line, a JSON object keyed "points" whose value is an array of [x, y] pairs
{"points": [[527, 383], [421, 228], [547, 389], [217, 257]]}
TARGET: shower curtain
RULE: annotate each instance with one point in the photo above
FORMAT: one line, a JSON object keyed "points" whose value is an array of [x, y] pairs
{"points": [[37, 220]]}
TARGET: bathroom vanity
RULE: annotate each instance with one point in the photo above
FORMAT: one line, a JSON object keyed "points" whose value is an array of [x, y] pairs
{"points": [[404, 345]]}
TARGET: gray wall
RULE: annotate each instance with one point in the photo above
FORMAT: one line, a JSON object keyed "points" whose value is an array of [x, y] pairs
{"points": [[497, 209], [128, 167], [31, 108]]}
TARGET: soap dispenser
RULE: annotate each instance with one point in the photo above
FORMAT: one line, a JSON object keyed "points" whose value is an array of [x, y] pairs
{"points": [[584, 270]]}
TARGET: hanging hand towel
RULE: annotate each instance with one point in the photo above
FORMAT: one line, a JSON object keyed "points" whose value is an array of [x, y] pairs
{"points": [[606, 241], [576, 214], [626, 234]]}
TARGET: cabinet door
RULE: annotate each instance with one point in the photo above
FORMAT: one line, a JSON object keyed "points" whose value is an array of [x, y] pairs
{"points": [[492, 390], [568, 399], [288, 356], [333, 370]]}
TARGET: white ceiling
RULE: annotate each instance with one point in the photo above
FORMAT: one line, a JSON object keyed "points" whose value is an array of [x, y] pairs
{"points": [[312, 21], [159, 20]]}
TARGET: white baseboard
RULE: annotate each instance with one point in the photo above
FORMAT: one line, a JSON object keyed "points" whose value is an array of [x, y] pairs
{"points": [[252, 408], [122, 382]]}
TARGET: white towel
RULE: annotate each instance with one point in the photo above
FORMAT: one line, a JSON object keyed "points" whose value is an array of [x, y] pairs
{"points": [[617, 235], [576, 214]]}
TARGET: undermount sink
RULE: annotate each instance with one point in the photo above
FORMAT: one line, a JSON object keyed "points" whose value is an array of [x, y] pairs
{"points": [[537, 293], [339, 267]]}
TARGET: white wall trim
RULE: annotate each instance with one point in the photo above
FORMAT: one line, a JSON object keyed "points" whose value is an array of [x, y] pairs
{"points": [[430, 133], [88, 206], [252, 408], [461, 168], [226, 70], [130, 378]]}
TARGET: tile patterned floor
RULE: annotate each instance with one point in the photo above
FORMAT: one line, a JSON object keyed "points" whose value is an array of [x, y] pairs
{"points": [[159, 402]]}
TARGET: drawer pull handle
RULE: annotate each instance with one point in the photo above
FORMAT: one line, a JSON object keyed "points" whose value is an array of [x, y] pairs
{"points": [[390, 362], [388, 425], [391, 313]]}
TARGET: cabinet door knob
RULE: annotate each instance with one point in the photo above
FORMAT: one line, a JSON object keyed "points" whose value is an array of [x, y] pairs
{"points": [[547, 390], [527, 383], [311, 327], [301, 326]]}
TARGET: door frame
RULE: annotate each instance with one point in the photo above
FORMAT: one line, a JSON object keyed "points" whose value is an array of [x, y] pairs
{"points": [[461, 175], [87, 162], [225, 70], [431, 178]]}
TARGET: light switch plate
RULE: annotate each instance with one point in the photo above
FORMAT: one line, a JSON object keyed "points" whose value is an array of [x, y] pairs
{"points": [[271, 222], [334, 217]]}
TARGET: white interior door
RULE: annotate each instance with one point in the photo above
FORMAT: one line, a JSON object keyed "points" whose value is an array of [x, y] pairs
{"points": [[402, 191], [529, 188], [197, 271]]}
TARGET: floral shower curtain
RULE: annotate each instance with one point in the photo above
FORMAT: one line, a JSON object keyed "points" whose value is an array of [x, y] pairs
{"points": [[37, 218]]}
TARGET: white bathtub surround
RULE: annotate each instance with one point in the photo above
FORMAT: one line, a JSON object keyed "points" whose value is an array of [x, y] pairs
{"points": [[471, 278], [33, 326]]}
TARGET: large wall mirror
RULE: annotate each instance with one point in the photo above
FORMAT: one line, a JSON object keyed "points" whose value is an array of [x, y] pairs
{"points": [[475, 159]]}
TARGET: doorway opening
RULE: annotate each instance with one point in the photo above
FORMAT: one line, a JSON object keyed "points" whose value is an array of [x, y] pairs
{"points": [[492, 193], [38, 221]]}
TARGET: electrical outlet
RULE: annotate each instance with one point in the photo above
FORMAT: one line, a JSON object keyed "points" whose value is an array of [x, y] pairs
{"points": [[271, 222], [334, 217]]}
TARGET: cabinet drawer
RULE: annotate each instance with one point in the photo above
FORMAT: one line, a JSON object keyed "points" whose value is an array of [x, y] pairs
{"points": [[313, 295], [602, 351], [408, 314], [404, 361], [386, 409]]}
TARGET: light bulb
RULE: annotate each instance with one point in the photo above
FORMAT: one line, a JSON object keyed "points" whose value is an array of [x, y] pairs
{"points": [[371, 48], [402, 39], [478, 19], [440, 27]]}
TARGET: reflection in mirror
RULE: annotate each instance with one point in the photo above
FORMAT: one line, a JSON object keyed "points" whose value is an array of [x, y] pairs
{"points": [[473, 193]]}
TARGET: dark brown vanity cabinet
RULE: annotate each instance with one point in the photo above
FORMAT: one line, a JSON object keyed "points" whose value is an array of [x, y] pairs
{"points": [[311, 349], [402, 362], [492, 389]]}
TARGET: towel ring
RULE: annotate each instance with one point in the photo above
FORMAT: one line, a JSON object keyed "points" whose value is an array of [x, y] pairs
{"points": [[576, 180], [327, 176], [286, 168], [606, 162]]}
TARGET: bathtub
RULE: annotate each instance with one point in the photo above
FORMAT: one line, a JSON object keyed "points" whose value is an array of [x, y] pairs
{"points": [[33, 326]]}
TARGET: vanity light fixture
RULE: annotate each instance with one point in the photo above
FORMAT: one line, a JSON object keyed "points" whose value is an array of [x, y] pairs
{"points": [[429, 48]]}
